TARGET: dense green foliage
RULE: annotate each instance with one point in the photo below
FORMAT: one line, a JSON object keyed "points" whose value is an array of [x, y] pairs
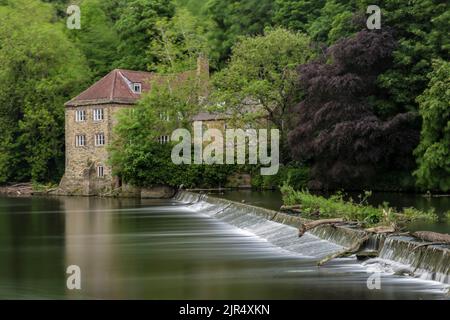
{"points": [[40, 70], [294, 175], [434, 149], [181, 41], [196, 7], [420, 27], [137, 27], [148, 164], [337, 206], [97, 38], [256, 48], [263, 69], [234, 18]]}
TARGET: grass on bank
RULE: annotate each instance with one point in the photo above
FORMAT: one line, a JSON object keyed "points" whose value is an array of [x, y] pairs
{"points": [[336, 206], [43, 187]]}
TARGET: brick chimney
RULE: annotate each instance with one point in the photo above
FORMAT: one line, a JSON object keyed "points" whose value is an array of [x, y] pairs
{"points": [[203, 67], [203, 75]]}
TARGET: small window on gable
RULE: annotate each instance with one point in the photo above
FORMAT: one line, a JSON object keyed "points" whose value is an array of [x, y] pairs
{"points": [[137, 88], [100, 171]]}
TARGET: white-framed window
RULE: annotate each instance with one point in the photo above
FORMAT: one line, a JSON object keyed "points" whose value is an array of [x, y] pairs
{"points": [[137, 87], [99, 139], [164, 116], [100, 171], [80, 140], [98, 114], [164, 139], [80, 115]]}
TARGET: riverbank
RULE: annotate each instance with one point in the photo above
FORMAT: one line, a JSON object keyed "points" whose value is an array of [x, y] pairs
{"points": [[17, 190]]}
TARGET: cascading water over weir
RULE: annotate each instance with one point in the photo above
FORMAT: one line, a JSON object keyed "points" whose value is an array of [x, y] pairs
{"points": [[399, 255]]}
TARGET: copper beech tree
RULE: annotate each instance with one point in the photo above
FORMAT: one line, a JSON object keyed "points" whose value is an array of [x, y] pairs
{"points": [[335, 128]]}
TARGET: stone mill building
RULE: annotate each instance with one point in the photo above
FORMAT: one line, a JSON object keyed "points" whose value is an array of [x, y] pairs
{"points": [[89, 121]]}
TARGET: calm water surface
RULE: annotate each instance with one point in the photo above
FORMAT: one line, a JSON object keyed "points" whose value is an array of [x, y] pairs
{"points": [[136, 249]]}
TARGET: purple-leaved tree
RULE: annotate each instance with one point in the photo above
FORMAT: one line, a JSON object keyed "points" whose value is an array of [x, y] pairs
{"points": [[335, 128]]}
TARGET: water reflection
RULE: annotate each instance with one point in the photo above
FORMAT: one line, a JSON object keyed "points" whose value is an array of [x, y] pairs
{"points": [[89, 236]]}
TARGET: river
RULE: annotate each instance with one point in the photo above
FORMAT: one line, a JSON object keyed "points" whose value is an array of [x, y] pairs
{"points": [[144, 249]]}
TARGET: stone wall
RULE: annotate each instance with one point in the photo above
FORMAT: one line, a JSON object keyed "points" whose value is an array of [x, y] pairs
{"points": [[158, 192], [82, 162]]}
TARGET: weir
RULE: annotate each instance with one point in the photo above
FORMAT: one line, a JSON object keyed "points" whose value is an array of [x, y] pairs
{"points": [[397, 254]]}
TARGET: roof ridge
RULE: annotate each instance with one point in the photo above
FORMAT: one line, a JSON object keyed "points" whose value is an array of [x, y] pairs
{"points": [[136, 71], [113, 85]]}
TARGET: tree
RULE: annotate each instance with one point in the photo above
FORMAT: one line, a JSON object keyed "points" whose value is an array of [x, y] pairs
{"points": [[324, 21], [60, 6], [41, 69], [433, 152], [421, 29], [262, 71], [97, 37], [336, 129], [297, 14], [234, 18], [136, 27], [195, 7], [180, 41], [335, 21]]}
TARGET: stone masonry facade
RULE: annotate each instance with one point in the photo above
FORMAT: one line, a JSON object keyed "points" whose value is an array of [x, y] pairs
{"points": [[83, 163]]}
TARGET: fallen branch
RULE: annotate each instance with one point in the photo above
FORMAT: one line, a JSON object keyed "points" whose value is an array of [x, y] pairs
{"points": [[382, 229], [349, 251], [432, 236], [289, 208], [427, 244], [304, 227]]}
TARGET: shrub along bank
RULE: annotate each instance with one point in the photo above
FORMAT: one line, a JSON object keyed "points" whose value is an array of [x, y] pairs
{"points": [[314, 206]]}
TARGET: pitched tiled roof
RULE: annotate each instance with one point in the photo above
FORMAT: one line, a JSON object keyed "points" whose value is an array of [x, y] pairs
{"points": [[115, 87], [210, 116]]}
